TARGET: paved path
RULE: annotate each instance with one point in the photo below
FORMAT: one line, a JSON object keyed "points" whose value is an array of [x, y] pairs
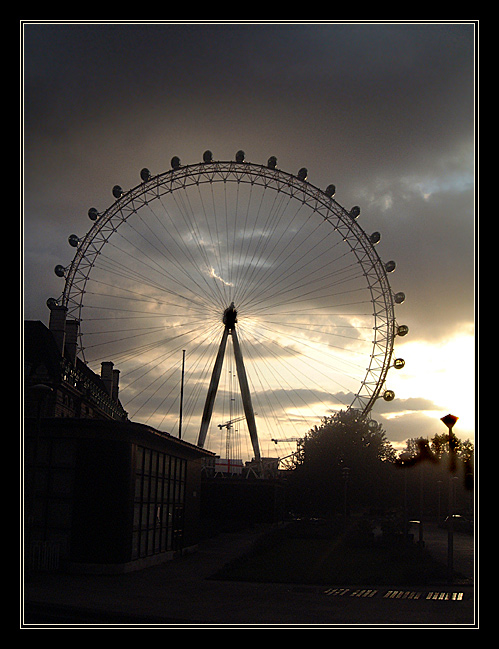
{"points": [[435, 540], [180, 594]]}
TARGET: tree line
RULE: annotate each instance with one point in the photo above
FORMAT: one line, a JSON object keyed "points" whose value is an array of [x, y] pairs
{"points": [[347, 465]]}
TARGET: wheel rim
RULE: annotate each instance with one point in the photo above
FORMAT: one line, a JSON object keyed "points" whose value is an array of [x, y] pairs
{"points": [[296, 263]]}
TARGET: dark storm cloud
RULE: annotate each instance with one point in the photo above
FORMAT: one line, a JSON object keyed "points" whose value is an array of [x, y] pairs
{"points": [[366, 106], [391, 84], [430, 230]]}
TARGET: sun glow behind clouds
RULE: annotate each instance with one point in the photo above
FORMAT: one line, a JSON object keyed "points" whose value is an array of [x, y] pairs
{"points": [[443, 373]]}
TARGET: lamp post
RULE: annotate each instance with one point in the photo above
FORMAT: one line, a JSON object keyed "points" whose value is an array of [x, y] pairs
{"points": [[439, 485], [449, 421], [345, 474]]}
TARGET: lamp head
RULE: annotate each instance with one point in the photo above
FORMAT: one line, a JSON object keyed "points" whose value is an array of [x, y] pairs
{"points": [[449, 420]]}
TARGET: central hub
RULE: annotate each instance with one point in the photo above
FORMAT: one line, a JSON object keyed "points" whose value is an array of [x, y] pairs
{"points": [[230, 316]]}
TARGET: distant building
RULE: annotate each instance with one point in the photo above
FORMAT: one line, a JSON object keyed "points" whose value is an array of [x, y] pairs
{"points": [[101, 493]]}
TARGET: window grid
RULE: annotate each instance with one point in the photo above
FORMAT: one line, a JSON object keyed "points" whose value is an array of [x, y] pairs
{"points": [[158, 502]]}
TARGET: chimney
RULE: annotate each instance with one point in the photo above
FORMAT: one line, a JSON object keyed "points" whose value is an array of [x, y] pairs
{"points": [[116, 385], [57, 325], [72, 339], [106, 374]]}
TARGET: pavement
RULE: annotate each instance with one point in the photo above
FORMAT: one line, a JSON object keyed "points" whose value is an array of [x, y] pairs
{"points": [[181, 594]]}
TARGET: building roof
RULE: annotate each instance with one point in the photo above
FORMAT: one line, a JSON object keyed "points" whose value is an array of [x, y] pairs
{"points": [[109, 429]]}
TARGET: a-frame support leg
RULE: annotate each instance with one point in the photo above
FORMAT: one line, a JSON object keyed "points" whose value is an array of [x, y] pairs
{"points": [[212, 390], [245, 394], [230, 319]]}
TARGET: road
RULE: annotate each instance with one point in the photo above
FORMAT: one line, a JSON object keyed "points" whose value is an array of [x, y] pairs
{"points": [[182, 594]]}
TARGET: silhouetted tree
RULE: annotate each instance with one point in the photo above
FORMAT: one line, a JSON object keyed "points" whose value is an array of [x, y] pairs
{"points": [[344, 461], [428, 471], [437, 449]]}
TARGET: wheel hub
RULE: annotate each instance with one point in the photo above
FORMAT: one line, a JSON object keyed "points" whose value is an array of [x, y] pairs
{"points": [[230, 316]]}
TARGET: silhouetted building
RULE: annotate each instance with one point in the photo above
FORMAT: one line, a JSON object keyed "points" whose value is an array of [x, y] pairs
{"points": [[101, 493], [107, 496], [57, 383]]}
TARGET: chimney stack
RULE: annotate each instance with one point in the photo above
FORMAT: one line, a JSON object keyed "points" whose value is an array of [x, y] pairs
{"points": [[72, 339], [57, 325], [106, 374], [116, 385]]}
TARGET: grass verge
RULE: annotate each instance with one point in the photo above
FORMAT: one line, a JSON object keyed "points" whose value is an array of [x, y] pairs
{"points": [[335, 560]]}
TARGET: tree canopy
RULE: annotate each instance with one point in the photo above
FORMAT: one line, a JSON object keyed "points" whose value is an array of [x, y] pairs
{"points": [[346, 452], [436, 452], [347, 463]]}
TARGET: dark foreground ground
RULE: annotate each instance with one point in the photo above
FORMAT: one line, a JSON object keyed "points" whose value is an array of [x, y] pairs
{"points": [[214, 588]]}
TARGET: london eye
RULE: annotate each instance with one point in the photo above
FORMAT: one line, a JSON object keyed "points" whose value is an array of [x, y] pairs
{"points": [[234, 291]]}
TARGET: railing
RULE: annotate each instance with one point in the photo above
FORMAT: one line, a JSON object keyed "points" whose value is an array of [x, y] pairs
{"points": [[94, 395]]}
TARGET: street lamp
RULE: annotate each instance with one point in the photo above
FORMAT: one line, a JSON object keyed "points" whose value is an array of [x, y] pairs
{"points": [[449, 421]]}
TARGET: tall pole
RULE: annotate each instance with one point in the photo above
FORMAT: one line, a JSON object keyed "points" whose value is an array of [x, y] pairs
{"points": [[181, 396], [449, 421]]}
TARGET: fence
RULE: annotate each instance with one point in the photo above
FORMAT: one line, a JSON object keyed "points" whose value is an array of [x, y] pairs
{"points": [[43, 556]]}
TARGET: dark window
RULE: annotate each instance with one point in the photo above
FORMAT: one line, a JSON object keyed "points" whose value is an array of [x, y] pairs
{"points": [[159, 502]]}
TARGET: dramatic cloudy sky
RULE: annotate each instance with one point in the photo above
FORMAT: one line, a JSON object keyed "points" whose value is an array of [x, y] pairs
{"points": [[383, 111]]}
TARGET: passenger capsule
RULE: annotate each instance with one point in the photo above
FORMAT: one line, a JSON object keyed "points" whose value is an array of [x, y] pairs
{"points": [[175, 162], [240, 155], [93, 214], [390, 266], [375, 238], [272, 162], [354, 212], [145, 174], [398, 363], [207, 156], [330, 191], [399, 297], [402, 330], [117, 191], [59, 271], [302, 173], [73, 240], [389, 395]]}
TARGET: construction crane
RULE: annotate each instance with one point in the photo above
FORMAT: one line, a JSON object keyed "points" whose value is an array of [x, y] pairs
{"points": [[228, 424], [288, 439]]}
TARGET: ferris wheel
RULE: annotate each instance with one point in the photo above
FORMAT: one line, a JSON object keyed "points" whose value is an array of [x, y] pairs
{"points": [[254, 285]]}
